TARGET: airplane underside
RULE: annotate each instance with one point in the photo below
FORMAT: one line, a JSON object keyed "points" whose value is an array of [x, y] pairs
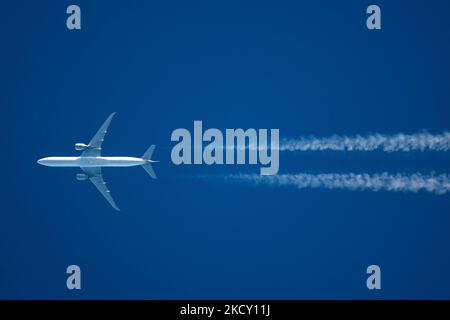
{"points": [[91, 162]]}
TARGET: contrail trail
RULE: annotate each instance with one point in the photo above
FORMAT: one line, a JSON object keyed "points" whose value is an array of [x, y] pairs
{"points": [[399, 142], [438, 184]]}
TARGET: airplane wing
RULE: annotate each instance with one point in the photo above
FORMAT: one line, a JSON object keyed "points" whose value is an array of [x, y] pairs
{"points": [[95, 175], [95, 146]]}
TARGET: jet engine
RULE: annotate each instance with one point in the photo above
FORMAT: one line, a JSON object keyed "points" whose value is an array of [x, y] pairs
{"points": [[82, 176], [81, 146]]}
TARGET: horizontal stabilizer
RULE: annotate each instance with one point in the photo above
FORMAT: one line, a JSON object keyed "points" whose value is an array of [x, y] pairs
{"points": [[148, 167], [148, 154]]}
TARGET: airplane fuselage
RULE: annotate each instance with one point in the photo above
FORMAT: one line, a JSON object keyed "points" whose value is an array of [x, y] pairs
{"points": [[92, 161]]}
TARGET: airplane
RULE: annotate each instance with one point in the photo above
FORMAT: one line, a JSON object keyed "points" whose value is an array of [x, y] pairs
{"points": [[91, 162]]}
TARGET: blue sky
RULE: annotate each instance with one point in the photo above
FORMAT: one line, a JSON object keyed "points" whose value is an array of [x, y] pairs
{"points": [[305, 67]]}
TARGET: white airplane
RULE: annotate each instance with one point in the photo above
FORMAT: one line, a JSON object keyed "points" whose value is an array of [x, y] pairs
{"points": [[91, 162]]}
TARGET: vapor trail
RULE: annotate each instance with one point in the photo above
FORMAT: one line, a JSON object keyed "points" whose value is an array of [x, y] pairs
{"points": [[438, 184], [399, 142]]}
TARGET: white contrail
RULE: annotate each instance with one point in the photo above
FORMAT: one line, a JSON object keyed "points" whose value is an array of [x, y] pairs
{"points": [[438, 184], [399, 142]]}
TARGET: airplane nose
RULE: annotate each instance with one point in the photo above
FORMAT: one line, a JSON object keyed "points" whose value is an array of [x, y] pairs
{"points": [[39, 161]]}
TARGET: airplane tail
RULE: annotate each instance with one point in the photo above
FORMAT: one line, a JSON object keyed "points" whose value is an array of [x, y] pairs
{"points": [[148, 166]]}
